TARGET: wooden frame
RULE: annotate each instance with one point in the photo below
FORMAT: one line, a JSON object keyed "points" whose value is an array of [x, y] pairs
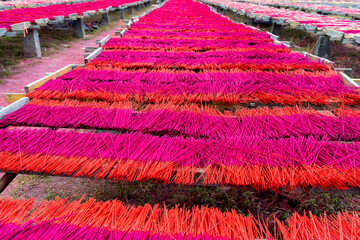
{"points": [[38, 83]]}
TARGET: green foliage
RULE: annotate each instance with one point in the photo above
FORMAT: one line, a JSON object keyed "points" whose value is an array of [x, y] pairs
{"points": [[51, 194]]}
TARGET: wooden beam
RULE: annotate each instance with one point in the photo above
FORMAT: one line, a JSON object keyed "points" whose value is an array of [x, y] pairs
{"points": [[42, 21], [38, 83], [104, 40], [347, 71], [317, 59], [273, 36], [346, 80], [90, 49], [13, 107], [2, 32], [93, 55], [277, 42], [120, 33], [19, 27], [13, 97]]}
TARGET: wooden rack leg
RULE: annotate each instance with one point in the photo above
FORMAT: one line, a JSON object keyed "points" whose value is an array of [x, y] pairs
{"points": [[32, 44], [250, 21], [6, 180], [79, 28], [105, 18], [122, 12], [130, 10], [225, 11], [322, 47], [275, 29]]}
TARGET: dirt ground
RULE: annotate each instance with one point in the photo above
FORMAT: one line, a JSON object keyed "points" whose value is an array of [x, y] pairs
{"points": [[245, 201], [242, 200], [343, 55], [59, 49]]}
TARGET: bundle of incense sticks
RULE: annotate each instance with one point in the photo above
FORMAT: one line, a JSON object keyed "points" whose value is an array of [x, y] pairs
{"points": [[241, 161], [338, 24], [168, 103], [14, 16], [174, 89], [62, 219], [188, 120], [197, 56], [226, 87]]}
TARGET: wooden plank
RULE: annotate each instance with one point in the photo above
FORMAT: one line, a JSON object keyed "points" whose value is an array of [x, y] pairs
{"points": [[347, 71], [93, 55], [273, 36], [357, 39], [104, 40], [19, 27], [38, 83], [11, 34], [2, 32], [13, 107], [91, 12], [13, 97], [334, 35], [72, 15], [120, 33], [90, 49], [277, 42], [346, 80], [42, 21], [317, 59]]}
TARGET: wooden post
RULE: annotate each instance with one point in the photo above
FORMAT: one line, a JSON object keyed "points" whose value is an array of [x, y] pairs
{"points": [[250, 21], [234, 16], [93, 55], [347, 71], [275, 29], [322, 47], [225, 11], [218, 9], [105, 18], [2, 32], [6, 180], [130, 10], [103, 41], [79, 27], [122, 12], [31, 44]]}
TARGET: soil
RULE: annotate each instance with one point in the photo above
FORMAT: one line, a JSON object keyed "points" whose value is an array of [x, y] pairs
{"points": [[344, 55], [245, 201], [59, 49]]}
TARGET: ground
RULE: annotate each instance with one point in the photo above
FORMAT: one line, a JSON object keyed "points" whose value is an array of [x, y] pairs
{"points": [[59, 49], [244, 201], [344, 55], [64, 49]]}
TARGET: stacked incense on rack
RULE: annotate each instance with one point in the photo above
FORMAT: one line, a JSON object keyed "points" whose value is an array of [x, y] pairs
{"points": [[188, 97]]}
